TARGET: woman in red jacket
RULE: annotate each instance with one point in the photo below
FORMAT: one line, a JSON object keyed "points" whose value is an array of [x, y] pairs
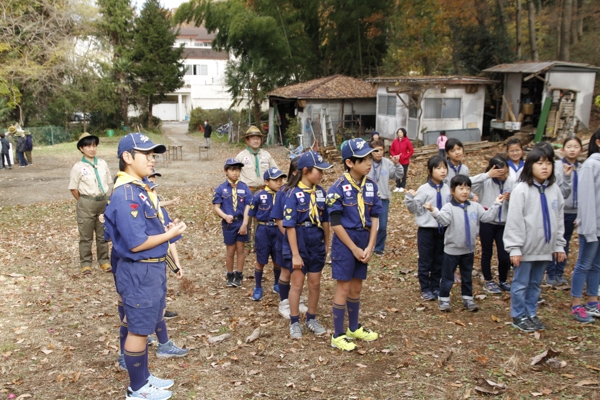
{"points": [[402, 149]]}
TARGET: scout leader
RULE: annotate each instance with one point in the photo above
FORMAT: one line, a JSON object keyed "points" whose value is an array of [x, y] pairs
{"points": [[135, 223], [90, 184]]}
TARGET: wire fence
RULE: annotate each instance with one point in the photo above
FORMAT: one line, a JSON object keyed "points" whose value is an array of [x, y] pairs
{"points": [[47, 135]]}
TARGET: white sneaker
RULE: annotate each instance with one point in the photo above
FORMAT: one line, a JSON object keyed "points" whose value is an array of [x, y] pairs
{"points": [[302, 308], [148, 392], [284, 308], [397, 190], [401, 190]]}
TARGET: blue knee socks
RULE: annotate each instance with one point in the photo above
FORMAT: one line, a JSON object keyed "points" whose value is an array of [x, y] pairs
{"points": [[258, 273], [353, 306], [284, 290], [276, 273], [137, 366], [339, 314], [161, 332]]}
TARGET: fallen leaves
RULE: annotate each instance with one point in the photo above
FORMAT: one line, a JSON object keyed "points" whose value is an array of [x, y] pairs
{"points": [[543, 356], [482, 360], [255, 335], [220, 338], [495, 319], [489, 387], [361, 366], [587, 382]]}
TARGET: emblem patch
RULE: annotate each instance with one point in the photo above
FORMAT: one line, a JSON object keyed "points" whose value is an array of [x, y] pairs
{"points": [[134, 213], [347, 187], [300, 195], [134, 206], [369, 186], [263, 196], [143, 197], [288, 217]]}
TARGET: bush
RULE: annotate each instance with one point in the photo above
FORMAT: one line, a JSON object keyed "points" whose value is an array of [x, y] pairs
{"points": [[215, 117], [294, 130], [155, 122]]}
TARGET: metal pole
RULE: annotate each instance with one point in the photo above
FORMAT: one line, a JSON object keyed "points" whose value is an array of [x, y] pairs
{"points": [[52, 135]]}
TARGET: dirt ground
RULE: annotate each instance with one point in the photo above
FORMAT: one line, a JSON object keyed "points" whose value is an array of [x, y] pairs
{"points": [[60, 329]]}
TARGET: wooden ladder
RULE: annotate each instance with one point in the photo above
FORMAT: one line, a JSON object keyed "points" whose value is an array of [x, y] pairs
{"points": [[327, 128]]}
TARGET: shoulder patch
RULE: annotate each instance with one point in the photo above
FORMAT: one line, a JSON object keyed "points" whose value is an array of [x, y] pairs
{"points": [[128, 192]]}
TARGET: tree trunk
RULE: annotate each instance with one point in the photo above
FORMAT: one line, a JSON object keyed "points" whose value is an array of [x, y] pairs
{"points": [[574, 22], [580, 19], [532, 42], [255, 103], [503, 19], [150, 105], [558, 28], [519, 42], [565, 40]]}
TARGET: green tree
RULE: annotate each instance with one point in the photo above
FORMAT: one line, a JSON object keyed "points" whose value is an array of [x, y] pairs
{"points": [[116, 25], [157, 64]]}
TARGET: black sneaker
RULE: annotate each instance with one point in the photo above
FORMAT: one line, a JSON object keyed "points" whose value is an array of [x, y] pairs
{"points": [[523, 323], [237, 280], [170, 314], [539, 326], [230, 277]]}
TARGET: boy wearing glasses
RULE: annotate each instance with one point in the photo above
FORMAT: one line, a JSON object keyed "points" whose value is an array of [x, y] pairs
{"points": [[135, 223], [90, 185]]}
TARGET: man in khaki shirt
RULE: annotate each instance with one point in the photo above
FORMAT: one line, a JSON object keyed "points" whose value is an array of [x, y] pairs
{"points": [[256, 162], [91, 185]]}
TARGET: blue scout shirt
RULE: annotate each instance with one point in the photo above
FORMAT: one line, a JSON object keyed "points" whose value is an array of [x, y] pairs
{"points": [[168, 220], [223, 195], [277, 212], [343, 196], [130, 218], [262, 205], [296, 209]]}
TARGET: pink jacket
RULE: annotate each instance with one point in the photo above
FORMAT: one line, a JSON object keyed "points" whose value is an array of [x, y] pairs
{"points": [[441, 142]]}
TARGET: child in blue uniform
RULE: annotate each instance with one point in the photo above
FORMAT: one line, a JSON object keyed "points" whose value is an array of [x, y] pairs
{"points": [[283, 285], [266, 233], [135, 223], [306, 238], [232, 200], [354, 208]]}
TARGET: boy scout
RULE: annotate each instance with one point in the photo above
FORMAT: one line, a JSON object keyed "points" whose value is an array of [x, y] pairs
{"points": [[135, 223], [256, 162], [90, 185]]}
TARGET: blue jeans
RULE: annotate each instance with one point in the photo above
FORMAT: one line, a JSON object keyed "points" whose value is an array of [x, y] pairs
{"points": [[558, 268], [382, 230], [526, 289], [587, 269]]}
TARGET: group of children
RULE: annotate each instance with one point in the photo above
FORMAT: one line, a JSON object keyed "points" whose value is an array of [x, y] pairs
{"points": [[528, 208]]}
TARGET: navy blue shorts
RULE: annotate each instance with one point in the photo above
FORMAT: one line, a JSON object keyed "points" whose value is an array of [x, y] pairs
{"points": [[344, 266], [279, 249], [265, 243], [311, 246], [230, 232], [114, 263], [143, 288]]}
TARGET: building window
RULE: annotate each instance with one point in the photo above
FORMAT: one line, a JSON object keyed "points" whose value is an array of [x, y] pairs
{"points": [[200, 69], [441, 108], [387, 105], [202, 44], [189, 70]]}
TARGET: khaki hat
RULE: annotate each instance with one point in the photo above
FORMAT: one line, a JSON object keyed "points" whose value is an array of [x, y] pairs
{"points": [[27, 133], [86, 135], [12, 129], [253, 131]]}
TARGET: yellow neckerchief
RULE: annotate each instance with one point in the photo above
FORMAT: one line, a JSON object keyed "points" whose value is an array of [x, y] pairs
{"points": [[234, 193], [360, 201], [314, 212], [124, 178], [269, 190]]}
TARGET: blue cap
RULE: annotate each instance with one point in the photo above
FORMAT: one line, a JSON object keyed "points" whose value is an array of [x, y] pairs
{"points": [[138, 141], [154, 173], [232, 162], [273, 173], [356, 148], [312, 159], [374, 133]]}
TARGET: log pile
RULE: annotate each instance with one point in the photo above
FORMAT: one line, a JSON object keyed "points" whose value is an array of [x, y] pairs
{"points": [[331, 154], [425, 152]]}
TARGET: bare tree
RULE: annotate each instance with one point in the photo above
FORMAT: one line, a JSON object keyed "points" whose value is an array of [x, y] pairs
{"points": [[519, 40], [532, 41], [580, 18], [565, 39], [574, 22]]}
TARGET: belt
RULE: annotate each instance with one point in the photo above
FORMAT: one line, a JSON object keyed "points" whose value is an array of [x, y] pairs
{"points": [[367, 228], [235, 219], [270, 223], [307, 224], [96, 198], [153, 260]]}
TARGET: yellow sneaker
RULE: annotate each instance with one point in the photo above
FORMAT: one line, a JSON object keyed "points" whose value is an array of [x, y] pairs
{"points": [[341, 342], [362, 333], [86, 270], [106, 267]]}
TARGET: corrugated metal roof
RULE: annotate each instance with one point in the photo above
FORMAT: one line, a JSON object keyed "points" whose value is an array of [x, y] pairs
{"points": [[532, 67], [434, 79], [331, 87]]}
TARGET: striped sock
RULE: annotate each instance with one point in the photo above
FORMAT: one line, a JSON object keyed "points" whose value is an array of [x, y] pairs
{"points": [[353, 306], [123, 331], [310, 316], [258, 273], [137, 364], [276, 273], [339, 314], [284, 290], [294, 319], [161, 332]]}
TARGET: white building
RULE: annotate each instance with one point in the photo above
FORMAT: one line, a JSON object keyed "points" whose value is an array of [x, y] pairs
{"points": [[450, 103], [204, 78]]}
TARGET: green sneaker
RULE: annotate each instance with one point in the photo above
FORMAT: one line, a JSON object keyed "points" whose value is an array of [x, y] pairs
{"points": [[341, 342], [362, 333]]}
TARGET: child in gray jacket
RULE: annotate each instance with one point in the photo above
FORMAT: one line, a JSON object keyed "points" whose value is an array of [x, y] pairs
{"points": [[462, 219], [534, 232], [382, 170]]}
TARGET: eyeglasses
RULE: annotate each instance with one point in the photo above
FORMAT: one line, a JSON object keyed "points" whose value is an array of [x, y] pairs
{"points": [[149, 156]]}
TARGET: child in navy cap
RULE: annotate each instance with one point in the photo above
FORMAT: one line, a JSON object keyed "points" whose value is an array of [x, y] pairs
{"points": [[266, 232], [306, 238], [232, 200], [354, 208], [135, 223]]}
